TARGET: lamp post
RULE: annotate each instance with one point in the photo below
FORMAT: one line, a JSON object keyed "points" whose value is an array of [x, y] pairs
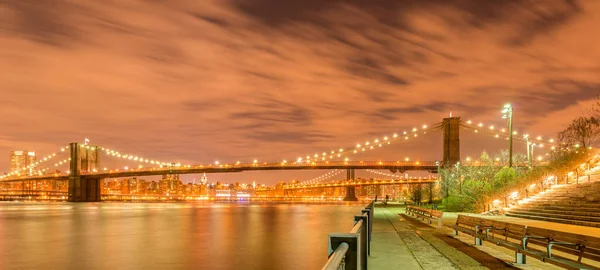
{"points": [[507, 113], [530, 147]]}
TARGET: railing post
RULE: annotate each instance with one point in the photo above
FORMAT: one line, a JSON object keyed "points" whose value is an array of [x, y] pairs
{"points": [[370, 223], [351, 260], [363, 240]]}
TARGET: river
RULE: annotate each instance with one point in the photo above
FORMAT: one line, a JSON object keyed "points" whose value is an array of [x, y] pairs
{"points": [[169, 235]]}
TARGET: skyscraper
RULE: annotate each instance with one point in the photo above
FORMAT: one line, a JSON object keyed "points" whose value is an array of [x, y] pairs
{"points": [[20, 161], [204, 179]]}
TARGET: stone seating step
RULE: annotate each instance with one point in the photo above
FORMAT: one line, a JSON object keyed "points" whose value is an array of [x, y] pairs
{"points": [[559, 216], [565, 202], [558, 220], [563, 208], [572, 211]]}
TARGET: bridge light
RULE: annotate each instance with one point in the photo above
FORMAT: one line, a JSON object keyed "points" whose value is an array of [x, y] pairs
{"points": [[395, 135], [216, 162], [341, 150], [366, 143], [357, 145], [414, 130], [255, 161], [376, 140], [480, 125], [491, 127]]}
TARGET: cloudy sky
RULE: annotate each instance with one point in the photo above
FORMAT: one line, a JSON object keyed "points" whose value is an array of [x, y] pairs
{"points": [[228, 80]]}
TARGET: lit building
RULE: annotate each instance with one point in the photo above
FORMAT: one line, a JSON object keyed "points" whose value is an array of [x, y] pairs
{"points": [[169, 184], [20, 160]]}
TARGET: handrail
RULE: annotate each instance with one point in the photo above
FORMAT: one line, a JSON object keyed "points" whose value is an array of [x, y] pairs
{"points": [[358, 225], [351, 250], [337, 257]]}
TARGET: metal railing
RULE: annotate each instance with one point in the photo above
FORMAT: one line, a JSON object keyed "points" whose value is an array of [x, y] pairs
{"points": [[351, 250]]}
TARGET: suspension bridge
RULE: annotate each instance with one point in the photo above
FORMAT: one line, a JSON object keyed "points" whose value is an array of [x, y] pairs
{"points": [[84, 172]]}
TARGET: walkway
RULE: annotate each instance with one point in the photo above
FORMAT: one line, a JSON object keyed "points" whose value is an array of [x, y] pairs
{"points": [[398, 244], [401, 242]]}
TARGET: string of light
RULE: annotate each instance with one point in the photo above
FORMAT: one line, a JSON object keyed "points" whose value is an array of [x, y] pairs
{"points": [[493, 130], [366, 146], [320, 178], [384, 174], [138, 159], [30, 167]]}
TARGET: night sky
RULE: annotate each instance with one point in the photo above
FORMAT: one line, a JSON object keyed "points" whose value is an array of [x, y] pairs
{"points": [[228, 80]]}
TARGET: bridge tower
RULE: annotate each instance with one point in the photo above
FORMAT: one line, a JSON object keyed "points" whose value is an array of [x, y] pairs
{"points": [[451, 129], [82, 188], [350, 190]]}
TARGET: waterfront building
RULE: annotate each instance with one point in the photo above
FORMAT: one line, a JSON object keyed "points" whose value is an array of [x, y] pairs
{"points": [[22, 161]]}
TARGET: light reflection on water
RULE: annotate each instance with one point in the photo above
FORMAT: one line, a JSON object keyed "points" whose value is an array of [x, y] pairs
{"points": [[169, 235]]}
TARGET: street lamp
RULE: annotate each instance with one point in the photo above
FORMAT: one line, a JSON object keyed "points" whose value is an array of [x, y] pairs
{"points": [[507, 113], [530, 147]]}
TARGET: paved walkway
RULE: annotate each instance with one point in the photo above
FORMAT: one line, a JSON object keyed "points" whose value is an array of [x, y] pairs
{"points": [[405, 243], [397, 245]]}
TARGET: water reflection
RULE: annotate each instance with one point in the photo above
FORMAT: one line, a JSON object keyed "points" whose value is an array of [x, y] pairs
{"points": [[168, 235]]}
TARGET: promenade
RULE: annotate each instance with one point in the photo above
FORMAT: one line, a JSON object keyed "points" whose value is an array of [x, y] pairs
{"points": [[400, 242]]}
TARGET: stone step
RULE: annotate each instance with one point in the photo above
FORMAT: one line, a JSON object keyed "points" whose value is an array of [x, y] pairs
{"points": [[563, 208], [571, 191], [559, 216], [558, 220], [573, 211], [582, 184], [566, 202]]}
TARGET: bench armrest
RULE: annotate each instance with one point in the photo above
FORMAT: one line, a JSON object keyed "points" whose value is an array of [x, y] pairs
{"points": [[552, 243], [525, 238]]}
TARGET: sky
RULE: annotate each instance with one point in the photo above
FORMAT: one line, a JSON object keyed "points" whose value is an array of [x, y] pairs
{"points": [[227, 80]]}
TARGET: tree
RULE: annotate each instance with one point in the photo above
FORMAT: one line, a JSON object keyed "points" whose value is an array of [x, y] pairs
{"points": [[595, 110], [416, 193], [503, 180], [583, 131]]}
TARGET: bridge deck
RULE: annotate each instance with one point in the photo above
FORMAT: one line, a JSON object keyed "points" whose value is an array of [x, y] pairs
{"points": [[233, 168]]}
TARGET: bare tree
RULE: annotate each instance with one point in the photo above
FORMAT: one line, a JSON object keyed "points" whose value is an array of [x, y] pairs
{"points": [[595, 110], [583, 131]]}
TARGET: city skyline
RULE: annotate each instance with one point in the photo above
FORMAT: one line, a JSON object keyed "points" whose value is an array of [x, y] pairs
{"points": [[238, 82]]}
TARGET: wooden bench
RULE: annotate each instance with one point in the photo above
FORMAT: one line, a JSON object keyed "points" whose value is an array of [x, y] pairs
{"points": [[569, 250], [508, 235], [466, 224], [426, 214]]}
